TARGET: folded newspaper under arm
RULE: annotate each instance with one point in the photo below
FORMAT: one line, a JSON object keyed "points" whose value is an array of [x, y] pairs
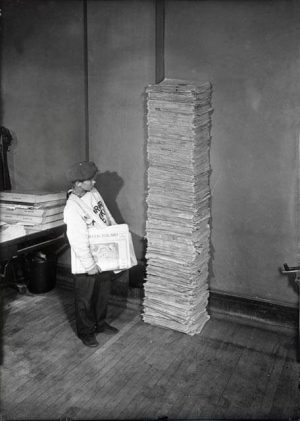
{"points": [[112, 247]]}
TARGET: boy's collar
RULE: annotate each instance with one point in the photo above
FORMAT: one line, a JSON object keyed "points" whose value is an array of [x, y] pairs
{"points": [[78, 193]]}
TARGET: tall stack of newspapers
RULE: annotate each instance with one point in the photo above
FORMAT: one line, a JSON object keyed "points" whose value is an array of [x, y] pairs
{"points": [[35, 211], [178, 205]]}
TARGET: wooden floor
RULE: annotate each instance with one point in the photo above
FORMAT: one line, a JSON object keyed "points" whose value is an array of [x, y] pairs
{"points": [[228, 371]]}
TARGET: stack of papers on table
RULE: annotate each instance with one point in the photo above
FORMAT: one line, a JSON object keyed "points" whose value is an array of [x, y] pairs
{"points": [[34, 210], [178, 205]]}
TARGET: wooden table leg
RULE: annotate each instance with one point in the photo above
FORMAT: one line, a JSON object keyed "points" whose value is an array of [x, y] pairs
{"points": [[9, 277]]}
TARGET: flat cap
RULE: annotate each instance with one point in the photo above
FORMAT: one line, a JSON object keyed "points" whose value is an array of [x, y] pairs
{"points": [[81, 171]]}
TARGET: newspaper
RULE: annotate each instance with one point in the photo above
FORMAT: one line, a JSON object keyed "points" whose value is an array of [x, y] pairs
{"points": [[112, 247], [178, 205], [11, 231]]}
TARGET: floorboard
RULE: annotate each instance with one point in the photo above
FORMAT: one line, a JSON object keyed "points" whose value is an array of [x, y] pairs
{"points": [[229, 371]]}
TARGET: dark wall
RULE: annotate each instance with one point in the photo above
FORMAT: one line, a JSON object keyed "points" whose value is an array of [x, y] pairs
{"points": [[42, 89], [44, 92], [250, 52], [121, 63]]}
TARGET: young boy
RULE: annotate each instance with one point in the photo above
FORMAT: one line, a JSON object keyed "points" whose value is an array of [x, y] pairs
{"points": [[92, 287]]}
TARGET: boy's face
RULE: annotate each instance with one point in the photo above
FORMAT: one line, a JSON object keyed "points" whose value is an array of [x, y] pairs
{"points": [[86, 185]]}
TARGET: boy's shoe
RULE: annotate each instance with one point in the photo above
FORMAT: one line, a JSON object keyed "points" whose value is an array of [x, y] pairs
{"points": [[106, 327], [90, 341]]}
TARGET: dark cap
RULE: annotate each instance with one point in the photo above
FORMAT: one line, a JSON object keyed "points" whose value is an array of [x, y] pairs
{"points": [[81, 171]]}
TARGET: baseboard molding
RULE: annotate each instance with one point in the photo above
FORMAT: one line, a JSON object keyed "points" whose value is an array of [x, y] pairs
{"points": [[252, 312], [221, 305]]}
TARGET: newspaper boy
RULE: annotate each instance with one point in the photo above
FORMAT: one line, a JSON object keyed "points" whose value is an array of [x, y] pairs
{"points": [[92, 287]]}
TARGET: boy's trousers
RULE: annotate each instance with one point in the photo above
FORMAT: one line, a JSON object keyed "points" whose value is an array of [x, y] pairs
{"points": [[91, 298]]}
